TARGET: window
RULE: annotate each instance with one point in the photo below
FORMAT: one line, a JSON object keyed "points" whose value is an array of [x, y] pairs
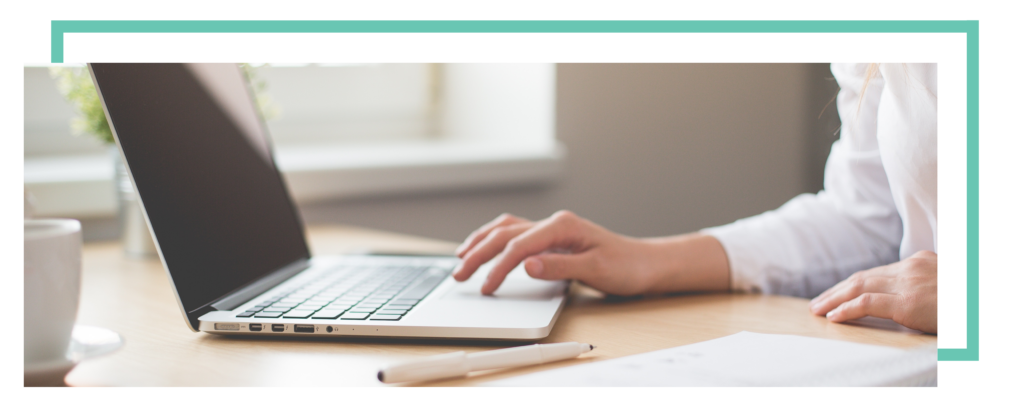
{"points": [[322, 103], [341, 131]]}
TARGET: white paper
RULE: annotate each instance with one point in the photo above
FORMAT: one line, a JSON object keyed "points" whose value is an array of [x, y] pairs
{"points": [[751, 359]]}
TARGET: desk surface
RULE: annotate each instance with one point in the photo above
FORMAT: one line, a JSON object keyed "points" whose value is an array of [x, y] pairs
{"points": [[135, 299]]}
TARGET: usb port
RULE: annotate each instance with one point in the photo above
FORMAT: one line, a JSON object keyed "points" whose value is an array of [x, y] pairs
{"points": [[277, 327], [255, 327], [225, 326], [304, 329]]}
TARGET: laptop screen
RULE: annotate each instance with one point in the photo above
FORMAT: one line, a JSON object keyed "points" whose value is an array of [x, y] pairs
{"points": [[202, 165]]}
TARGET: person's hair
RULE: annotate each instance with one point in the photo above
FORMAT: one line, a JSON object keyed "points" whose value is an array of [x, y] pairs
{"points": [[872, 70]]}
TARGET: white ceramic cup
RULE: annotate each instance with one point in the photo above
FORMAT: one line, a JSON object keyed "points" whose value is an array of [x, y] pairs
{"points": [[53, 278]]}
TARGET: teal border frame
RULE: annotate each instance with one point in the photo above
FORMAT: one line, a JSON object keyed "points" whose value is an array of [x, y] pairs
{"points": [[970, 28]]}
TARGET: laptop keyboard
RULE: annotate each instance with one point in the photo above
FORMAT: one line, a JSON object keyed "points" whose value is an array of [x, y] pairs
{"points": [[382, 293]]}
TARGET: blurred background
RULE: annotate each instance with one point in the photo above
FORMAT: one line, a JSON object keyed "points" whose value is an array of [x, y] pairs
{"points": [[438, 149]]}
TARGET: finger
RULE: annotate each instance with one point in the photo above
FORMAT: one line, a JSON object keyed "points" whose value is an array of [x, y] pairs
{"points": [[482, 232], [869, 304], [883, 271], [548, 234], [832, 290], [489, 246], [558, 266], [851, 288], [824, 295]]}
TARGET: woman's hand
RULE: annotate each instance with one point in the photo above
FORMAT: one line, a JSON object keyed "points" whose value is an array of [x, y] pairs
{"points": [[563, 246], [566, 246], [905, 291]]}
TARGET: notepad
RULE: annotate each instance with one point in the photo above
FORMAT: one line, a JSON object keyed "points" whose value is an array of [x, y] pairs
{"points": [[752, 359]]}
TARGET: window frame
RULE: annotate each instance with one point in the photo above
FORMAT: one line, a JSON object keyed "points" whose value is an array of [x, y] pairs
{"points": [[496, 129]]}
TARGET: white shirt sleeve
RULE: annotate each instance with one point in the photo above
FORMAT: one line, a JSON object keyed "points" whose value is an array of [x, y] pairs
{"points": [[814, 241]]}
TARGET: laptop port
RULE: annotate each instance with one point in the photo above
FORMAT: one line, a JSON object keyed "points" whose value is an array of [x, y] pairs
{"points": [[255, 327], [277, 327], [304, 328], [225, 326]]}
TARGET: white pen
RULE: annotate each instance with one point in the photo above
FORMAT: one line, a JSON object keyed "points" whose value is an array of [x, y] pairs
{"points": [[459, 364]]}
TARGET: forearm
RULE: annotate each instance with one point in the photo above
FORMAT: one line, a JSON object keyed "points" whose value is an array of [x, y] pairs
{"points": [[687, 263]]}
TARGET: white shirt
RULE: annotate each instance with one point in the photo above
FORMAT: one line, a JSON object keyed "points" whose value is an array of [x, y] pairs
{"points": [[879, 204]]}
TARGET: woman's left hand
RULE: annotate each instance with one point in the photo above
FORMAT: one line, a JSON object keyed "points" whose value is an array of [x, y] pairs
{"points": [[904, 291]]}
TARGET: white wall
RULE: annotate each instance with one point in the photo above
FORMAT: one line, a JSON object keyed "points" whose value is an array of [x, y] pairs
{"points": [[652, 149]]}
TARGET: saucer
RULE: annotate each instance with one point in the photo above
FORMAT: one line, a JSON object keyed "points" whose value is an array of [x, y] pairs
{"points": [[86, 342]]}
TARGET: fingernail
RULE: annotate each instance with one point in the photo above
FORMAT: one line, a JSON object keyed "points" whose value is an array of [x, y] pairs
{"points": [[830, 314], [534, 267], [458, 269]]}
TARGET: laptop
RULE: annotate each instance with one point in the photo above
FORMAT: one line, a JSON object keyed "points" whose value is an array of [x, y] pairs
{"points": [[230, 238]]}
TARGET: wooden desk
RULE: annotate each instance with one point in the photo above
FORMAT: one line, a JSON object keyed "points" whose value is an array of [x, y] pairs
{"points": [[134, 298]]}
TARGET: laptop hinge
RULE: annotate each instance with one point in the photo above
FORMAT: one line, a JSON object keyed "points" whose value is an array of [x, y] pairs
{"points": [[260, 286]]}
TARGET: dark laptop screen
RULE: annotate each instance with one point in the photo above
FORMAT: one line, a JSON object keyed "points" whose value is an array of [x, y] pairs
{"points": [[203, 168]]}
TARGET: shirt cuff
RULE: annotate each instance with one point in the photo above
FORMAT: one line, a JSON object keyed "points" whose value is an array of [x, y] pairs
{"points": [[744, 270]]}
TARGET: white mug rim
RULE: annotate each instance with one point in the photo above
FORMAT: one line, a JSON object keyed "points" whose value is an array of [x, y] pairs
{"points": [[50, 227]]}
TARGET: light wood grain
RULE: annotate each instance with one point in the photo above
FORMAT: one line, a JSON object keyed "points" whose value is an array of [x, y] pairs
{"points": [[135, 299]]}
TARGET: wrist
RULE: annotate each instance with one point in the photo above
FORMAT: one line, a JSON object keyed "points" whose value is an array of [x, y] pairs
{"points": [[687, 263]]}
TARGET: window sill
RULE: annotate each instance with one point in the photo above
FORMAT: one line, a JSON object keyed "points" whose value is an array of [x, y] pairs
{"points": [[82, 186]]}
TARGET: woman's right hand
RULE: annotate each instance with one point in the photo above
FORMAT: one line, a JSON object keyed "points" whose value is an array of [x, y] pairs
{"points": [[563, 246], [567, 247]]}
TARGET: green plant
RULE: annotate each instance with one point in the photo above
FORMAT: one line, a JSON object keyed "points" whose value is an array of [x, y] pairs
{"points": [[75, 84], [268, 108]]}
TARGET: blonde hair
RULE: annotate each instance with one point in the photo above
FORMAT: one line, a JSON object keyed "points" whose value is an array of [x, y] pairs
{"points": [[872, 70]]}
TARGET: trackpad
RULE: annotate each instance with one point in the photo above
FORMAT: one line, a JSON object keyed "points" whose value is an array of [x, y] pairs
{"points": [[518, 286]]}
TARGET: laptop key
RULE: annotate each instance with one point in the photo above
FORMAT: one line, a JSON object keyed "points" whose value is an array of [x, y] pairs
{"points": [[354, 316], [363, 309], [391, 312], [398, 307], [381, 317], [255, 309], [268, 315], [246, 314], [423, 288], [298, 314], [404, 301], [327, 314]]}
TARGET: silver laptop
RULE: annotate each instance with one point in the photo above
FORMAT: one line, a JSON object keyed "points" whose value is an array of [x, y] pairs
{"points": [[232, 243]]}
